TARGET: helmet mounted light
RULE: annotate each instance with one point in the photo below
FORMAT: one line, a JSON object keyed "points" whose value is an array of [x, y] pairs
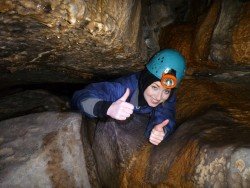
{"points": [[168, 66], [168, 81]]}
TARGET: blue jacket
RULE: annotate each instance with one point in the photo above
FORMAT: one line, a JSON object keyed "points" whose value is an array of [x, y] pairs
{"points": [[85, 99]]}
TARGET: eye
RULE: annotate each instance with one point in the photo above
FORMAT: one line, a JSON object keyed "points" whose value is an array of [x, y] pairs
{"points": [[154, 87], [166, 92]]}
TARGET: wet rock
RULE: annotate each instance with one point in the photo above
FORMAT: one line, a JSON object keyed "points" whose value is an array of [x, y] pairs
{"points": [[241, 44], [42, 150], [88, 133], [116, 146], [228, 90], [209, 151], [159, 14], [223, 144], [69, 41], [192, 39], [222, 37], [218, 39], [30, 101], [204, 30], [78, 41], [172, 37]]}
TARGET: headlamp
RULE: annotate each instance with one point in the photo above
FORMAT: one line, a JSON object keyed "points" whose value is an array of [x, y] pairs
{"points": [[168, 81]]}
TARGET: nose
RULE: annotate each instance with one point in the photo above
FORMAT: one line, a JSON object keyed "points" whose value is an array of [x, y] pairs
{"points": [[158, 96]]}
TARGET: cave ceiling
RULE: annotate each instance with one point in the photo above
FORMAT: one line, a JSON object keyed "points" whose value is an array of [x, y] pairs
{"points": [[59, 41]]}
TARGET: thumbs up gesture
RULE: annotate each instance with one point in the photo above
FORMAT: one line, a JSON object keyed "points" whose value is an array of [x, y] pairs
{"points": [[157, 133], [120, 109]]}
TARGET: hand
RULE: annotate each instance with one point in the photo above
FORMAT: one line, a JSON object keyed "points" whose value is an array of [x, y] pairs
{"points": [[121, 109], [157, 133]]}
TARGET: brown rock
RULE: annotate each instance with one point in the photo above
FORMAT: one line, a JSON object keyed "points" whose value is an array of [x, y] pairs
{"points": [[222, 35], [42, 150], [206, 151], [179, 37], [30, 101], [69, 41], [241, 37], [204, 30]]}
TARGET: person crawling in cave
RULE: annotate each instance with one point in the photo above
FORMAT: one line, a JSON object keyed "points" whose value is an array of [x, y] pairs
{"points": [[151, 91]]}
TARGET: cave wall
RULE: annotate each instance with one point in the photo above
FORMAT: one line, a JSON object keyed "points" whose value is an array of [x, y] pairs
{"points": [[69, 41], [83, 41], [76, 41], [219, 39]]}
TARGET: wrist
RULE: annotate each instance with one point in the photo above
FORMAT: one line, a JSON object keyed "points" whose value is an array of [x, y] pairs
{"points": [[101, 108]]}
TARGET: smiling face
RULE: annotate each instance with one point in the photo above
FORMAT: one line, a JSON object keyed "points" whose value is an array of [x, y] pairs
{"points": [[155, 94]]}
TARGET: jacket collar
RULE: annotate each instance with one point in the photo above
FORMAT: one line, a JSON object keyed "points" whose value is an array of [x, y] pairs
{"points": [[134, 98]]}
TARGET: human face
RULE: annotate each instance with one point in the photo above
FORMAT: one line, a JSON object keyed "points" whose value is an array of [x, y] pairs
{"points": [[155, 94]]}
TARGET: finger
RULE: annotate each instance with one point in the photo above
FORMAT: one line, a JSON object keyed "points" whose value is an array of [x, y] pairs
{"points": [[122, 118], [128, 105], [153, 141], [123, 111], [125, 114], [159, 138], [125, 95], [128, 111], [158, 133], [165, 122], [160, 126]]}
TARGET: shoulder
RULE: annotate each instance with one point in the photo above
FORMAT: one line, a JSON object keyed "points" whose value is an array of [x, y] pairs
{"points": [[130, 81], [130, 77]]}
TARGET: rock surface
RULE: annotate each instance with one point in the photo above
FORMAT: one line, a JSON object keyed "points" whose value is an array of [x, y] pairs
{"points": [[22, 102], [241, 35], [210, 151], [69, 41], [75, 41], [219, 39], [42, 150], [222, 37], [82, 41]]}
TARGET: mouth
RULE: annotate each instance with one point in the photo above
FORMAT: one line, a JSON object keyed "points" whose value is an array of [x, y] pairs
{"points": [[155, 101]]}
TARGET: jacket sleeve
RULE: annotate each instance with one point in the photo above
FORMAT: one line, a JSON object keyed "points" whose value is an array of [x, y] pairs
{"points": [[161, 113], [103, 93]]}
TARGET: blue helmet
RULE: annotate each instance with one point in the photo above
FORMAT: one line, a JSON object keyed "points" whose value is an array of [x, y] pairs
{"points": [[168, 62]]}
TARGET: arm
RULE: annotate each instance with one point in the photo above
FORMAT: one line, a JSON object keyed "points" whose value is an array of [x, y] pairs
{"points": [[96, 98], [162, 113], [168, 112]]}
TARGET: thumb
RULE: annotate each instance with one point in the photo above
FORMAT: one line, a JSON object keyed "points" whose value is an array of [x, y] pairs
{"points": [[160, 126], [125, 95]]}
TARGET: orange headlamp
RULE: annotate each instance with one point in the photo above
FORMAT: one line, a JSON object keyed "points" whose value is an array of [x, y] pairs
{"points": [[168, 81]]}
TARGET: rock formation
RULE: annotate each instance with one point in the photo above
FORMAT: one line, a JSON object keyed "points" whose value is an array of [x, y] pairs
{"points": [[69, 42], [42, 150]]}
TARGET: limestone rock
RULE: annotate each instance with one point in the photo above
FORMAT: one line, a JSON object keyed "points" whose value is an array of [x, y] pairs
{"points": [[69, 41], [241, 37], [222, 36], [228, 91], [42, 150], [203, 33], [172, 37], [209, 151], [218, 39], [30, 101], [210, 147], [116, 147]]}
